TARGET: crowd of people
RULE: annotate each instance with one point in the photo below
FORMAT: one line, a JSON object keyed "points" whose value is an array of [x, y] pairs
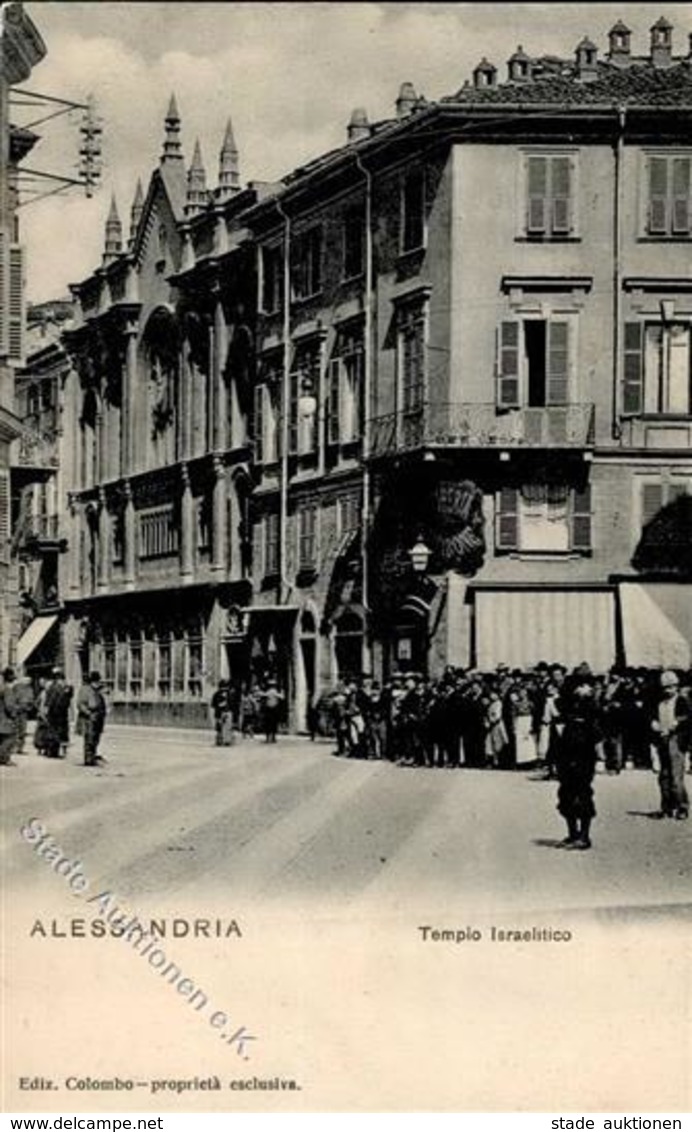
{"points": [[49, 703], [547, 717], [563, 722]]}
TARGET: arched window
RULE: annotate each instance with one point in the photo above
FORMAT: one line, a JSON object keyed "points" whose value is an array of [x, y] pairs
{"points": [[348, 645], [160, 355]]}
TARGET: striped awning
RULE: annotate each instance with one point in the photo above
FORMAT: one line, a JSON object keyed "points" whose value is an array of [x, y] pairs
{"points": [[33, 635], [651, 638], [522, 627]]}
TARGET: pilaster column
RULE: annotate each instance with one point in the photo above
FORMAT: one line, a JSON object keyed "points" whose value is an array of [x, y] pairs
{"points": [[129, 416], [220, 431], [219, 524], [187, 528], [100, 442], [130, 537], [103, 576], [74, 546]]}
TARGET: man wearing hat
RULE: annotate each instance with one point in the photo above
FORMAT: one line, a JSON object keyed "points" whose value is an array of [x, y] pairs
{"points": [[576, 757], [671, 727], [91, 717]]}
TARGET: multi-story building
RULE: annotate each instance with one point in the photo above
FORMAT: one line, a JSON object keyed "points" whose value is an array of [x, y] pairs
{"points": [[156, 422], [38, 521], [462, 357], [21, 49]]}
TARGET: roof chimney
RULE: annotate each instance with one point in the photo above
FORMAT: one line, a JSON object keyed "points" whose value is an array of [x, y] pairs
{"points": [[586, 55], [406, 101], [519, 65], [484, 75], [662, 43], [113, 244], [619, 44], [358, 127]]}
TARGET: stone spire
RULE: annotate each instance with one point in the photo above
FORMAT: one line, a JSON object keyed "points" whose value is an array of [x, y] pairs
{"points": [[136, 212], [229, 171], [113, 244], [172, 150], [196, 183]]}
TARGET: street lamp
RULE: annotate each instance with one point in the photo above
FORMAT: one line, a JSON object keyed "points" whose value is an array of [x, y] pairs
{"points": [[419, 555]]}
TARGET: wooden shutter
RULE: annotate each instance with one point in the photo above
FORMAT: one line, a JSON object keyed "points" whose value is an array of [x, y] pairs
{"points": [[633, 373], [4, 314], [334, 401], [681, 194], [5, 517], [652, 500], [258, 424], [294, 379], [658, 195], [537, 194], [557, 368], [508, 365], [507, 521], [560, 168], [15, 304], [581, 518]]}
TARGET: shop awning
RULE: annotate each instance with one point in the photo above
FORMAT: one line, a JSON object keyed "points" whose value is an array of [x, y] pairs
{"points": [[522, 627], [33, 635], [650, 638]]}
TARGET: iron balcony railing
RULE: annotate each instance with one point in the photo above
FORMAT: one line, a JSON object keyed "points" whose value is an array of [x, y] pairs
{"points": [[448, 424]]}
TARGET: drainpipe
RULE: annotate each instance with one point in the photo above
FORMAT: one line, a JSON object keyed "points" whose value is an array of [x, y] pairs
{"points": [[616, 428], [285, 585], [367, 406]]}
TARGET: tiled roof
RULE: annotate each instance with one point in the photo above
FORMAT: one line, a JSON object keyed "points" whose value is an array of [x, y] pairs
{"points": [[635, 85]]}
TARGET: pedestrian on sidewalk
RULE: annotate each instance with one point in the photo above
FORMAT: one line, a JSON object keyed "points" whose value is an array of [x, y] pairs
{"points": [[25, 703], [91, 717], [8, 712], [576, 757], [272, 699], [671, 728], [222, 708], [57, 702]]}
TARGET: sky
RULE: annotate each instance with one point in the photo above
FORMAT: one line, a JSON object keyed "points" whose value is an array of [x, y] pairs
{"points": [[288, 74]]}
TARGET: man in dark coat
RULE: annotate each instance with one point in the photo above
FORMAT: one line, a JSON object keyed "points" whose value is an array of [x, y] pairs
{"points": [[91, 717], [58, 697], [8, 712], [576, 757]]}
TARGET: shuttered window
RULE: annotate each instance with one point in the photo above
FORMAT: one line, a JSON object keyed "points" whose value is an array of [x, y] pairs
{"points": [[15, 304], [271, 543], [545, 518], [345, 389], [507, 534], [413, 210], [557, 369], [307, 537], [3, 294], [633, 373], [508, 365], [655, 494], [549, 195], [4, 515], [580, 514], [669, 195]]}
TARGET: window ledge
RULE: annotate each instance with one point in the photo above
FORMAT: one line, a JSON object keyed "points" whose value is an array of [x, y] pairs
{"points": [[678, 238], [659, 418], [544, 555], [569, 238]]}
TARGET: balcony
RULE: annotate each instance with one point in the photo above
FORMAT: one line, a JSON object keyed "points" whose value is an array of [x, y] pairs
{"points": [[448, 424]]}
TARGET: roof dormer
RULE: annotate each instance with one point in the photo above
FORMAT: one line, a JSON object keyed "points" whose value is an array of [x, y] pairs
{"points": [[519, 66], [484, 75]]}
